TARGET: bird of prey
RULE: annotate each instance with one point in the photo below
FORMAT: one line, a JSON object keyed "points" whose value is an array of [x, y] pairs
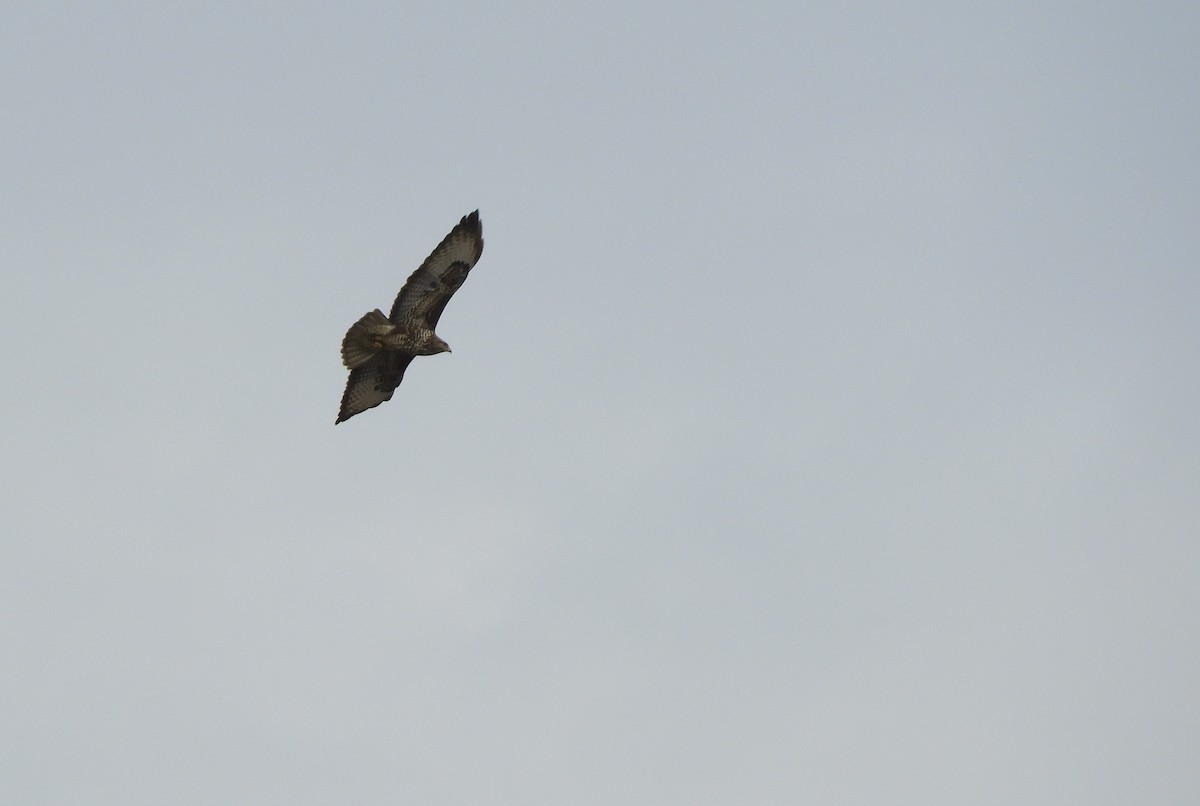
{"points": [[377, 348]]}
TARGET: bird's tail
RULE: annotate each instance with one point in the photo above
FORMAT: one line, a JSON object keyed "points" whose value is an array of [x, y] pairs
{"points": [[363, 339]]}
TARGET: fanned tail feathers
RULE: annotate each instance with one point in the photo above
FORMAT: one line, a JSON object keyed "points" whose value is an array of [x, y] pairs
{"points": [[363, 339]]}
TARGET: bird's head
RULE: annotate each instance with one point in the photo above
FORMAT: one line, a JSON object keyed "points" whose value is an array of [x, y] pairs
{"points": [[428, 343]]}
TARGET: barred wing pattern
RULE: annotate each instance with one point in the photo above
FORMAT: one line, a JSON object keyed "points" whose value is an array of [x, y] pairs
{"points": [[429, 288], [372, 383]]}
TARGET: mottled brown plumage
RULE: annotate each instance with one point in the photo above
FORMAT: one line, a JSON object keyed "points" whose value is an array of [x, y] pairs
{"points": [[377, 348]]}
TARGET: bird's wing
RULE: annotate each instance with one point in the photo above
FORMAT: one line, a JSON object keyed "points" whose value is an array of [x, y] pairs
{"points": [[372, 383], [429, 288]]}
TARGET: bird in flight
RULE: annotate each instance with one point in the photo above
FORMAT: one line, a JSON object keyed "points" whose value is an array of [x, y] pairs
{"points": [[377, 348]]}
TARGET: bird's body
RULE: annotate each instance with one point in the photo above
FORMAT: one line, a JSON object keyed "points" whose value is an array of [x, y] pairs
{"points": [[373, 333], [377, 348]]}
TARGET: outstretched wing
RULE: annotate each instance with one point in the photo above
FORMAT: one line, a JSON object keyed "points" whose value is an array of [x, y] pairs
{"points": [[429, 288], [372, 383]]}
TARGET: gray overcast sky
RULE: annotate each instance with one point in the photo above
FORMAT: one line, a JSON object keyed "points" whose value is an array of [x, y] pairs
{"points": [[821, 425]]}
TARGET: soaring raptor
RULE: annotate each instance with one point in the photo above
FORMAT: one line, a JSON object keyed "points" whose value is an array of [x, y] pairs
{"points": [[377, 348]]}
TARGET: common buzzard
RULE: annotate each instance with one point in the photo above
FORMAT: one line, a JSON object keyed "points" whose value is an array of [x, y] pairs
{"points": [[377, 348]]}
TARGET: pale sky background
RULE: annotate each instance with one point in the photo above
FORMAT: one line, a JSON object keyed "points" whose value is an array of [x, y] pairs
{"points": [[821, 427]]}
